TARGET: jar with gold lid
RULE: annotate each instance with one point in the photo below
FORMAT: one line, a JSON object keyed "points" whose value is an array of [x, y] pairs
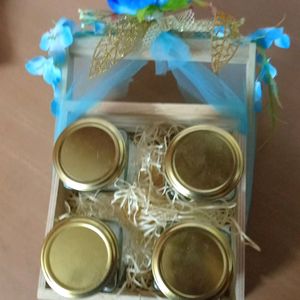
{"points": [[90, 154], [192, 261], [81, 256], [204, 162]]}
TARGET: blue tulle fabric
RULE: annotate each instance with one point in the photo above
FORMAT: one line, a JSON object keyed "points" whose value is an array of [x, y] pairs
{"points": [[119, 77], [170, 53]]}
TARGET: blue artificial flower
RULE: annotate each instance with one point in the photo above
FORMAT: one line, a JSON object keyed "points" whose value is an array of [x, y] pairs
{"points": [[41, 66], [267, 71], [131, 7], [58, 39], [265, 37], [219, 31]]}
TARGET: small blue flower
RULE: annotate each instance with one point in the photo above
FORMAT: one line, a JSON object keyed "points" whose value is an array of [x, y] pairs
{"points": [[267, 73], [219, 31], [266, 37], [131, 7], [41, 66], [58, 39]]}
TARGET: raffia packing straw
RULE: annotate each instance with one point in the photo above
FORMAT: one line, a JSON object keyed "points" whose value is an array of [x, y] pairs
{"points": [[133, 198], [152, 221], [152, 143]]}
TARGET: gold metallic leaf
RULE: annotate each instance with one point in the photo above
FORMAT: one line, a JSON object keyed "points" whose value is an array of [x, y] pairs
{"points": [[122, 38], [225, 36]]}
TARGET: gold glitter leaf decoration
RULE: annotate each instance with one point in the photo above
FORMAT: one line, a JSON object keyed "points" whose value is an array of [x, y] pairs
{"points": [[122, 38], [224, 37]]}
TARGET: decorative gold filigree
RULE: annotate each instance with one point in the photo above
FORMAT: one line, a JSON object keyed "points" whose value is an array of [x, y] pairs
{"points": [[128, 34], [224, 38], [121, 39], [183, 22]]}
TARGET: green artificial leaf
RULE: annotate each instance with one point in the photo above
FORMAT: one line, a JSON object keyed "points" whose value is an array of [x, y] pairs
{"points": [[274, 103], [201, 3], [146, 12], [173, 5], [275, 92]]}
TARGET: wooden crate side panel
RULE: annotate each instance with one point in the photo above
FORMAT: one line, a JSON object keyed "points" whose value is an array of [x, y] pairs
{"points": [[248, 147]]}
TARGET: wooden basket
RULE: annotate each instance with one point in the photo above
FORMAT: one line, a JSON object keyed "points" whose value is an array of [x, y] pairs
{"points": [[128, 115]]}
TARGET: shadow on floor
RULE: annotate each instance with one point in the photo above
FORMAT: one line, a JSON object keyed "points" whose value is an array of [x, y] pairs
{"points": [[274, 219], [6, 50]]}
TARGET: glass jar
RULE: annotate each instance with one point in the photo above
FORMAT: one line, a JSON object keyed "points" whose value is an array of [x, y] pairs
{"points": [[192, 261], [204, 163], [81, 256], [90, 154]]}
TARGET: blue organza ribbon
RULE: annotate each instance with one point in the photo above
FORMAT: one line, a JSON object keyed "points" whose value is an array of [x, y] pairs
{"points": [[98, 90], [170, 53]]}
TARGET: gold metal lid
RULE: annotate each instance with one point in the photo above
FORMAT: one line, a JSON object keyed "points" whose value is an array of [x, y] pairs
{"points": [[78, 256], [203, 162], [192, 261], [89, 154]]}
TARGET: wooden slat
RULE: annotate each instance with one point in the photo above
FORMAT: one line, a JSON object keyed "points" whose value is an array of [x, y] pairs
{"points": [[200, 49]]}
